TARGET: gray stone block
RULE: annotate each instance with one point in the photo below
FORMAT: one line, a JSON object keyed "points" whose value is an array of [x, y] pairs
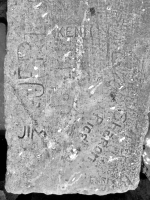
{"points": [[66, 132]]}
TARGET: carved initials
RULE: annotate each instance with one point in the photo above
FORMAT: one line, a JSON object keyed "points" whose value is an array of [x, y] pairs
{"points": [[29, 132]]}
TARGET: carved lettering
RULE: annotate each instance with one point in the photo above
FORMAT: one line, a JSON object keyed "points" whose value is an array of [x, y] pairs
{"points": [[23, 75], [98, 150], [99, 119], [88, 129], [90, 124], [69, 32], [83, 137], [41, 133], [29, 133], [78, 31], [60, 32], [115, 125], [35, 89], [24, 133], [107, 133], [120, 115], [24, 51], [73, 32]]}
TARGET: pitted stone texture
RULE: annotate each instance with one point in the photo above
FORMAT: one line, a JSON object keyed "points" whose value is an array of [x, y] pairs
{"points": [[75, 104]]}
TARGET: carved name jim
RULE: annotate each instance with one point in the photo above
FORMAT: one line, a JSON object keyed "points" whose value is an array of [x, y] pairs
{"points": [[29, 132]]}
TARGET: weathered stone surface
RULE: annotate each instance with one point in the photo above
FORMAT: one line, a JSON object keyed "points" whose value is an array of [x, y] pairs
{"points": [[76, 96]]}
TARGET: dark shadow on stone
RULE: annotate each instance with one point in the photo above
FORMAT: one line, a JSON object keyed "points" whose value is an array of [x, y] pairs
{"points": [[92, 11]]}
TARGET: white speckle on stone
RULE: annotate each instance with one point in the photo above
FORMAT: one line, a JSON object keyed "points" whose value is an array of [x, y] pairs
{"points": [[148, 142], [91, 87], [37, 6], [59, 130], [113, 108], [65, 56], [35, 68], [44, 15], [108, 7], [51, 144], [36, 76], [121, 139], [112, 159]]}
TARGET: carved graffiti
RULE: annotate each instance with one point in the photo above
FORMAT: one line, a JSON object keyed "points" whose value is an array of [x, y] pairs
{"points": [[34, 89], [88, 128], [24, 74], [24, 51], [29, 132]]}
